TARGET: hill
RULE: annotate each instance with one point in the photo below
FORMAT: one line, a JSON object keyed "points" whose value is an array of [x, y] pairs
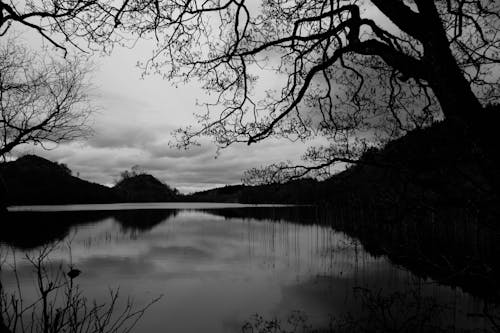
{"points": [[301, 191], [144, 188], [441, 166], [34, 180], [228, 193], [445, 165]]}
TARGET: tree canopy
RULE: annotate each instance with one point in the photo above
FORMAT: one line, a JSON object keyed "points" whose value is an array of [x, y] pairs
{"points": [[42, 99], [353, 71]]}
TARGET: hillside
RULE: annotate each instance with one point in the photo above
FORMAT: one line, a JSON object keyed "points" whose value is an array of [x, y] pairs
{"points": [[228, 193], [34, 180], [302, 191], [442, 166], [144, 188]]}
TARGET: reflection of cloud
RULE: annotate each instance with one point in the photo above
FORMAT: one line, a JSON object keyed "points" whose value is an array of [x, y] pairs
{"points": [[244, 266], [179, 253], [144, 267], [95, 267]]}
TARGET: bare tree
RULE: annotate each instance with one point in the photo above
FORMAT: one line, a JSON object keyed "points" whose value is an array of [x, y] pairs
{"points": [[42, 100], [343, 69], [61, 305]]}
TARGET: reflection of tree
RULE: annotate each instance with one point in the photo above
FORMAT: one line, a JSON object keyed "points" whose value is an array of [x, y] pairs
{"points": [[454, 251], [380, 312], [60, 305], [142, 220], [297, 214], [448, 246]]}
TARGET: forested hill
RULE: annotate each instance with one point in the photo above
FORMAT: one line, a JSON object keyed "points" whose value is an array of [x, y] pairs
{"points": [[302, 191], [34, 180], [440, 166], [145, 188], [444, 165]]}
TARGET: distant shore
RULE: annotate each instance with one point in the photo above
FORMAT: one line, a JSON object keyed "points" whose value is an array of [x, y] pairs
{"points": [[136, 206]]}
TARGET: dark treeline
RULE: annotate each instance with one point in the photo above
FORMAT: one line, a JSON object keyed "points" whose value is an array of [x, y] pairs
{"points": [[440, 166], [443, 166], [302, 191]]}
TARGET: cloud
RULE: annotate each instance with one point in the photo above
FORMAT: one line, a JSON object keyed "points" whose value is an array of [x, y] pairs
{"points": [[181, 253], [102, 159], [133, 126], [122, 137]]}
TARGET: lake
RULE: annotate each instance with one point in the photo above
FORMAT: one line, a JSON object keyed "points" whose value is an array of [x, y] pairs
{"points": [[231, 268]]}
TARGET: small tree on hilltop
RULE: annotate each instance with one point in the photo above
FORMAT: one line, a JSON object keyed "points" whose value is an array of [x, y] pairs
{"points": [[136, 170]]}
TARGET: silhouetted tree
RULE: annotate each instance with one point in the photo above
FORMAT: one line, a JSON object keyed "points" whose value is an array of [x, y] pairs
{"points": [[42, 100], [61, 305], [135, 170], [343, 69], [65, 168], [349, 69]]}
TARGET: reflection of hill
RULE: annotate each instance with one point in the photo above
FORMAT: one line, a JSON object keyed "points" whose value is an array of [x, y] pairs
{"points": [[456, 251], [142, 220], [28, 230]]}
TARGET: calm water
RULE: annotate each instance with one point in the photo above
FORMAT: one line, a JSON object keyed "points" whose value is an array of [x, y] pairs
{"points": [[218, 265]]}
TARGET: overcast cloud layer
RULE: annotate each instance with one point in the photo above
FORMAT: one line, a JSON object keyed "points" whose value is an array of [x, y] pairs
{"points": [[136, 117], [133, 126]]}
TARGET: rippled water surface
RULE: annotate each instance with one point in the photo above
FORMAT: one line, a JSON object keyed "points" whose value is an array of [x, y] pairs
{"points": [[218, 265]]}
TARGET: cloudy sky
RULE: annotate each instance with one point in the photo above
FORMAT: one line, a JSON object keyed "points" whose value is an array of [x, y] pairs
{"points": [[133, 127], [136, 117]]}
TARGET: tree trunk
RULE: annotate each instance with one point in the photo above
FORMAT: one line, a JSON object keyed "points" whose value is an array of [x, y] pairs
{"points": [[447, 80], [452, 90]]}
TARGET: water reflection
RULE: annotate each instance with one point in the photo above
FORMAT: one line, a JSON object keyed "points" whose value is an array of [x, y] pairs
{"points": [[142, 220], [218, 267]]}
